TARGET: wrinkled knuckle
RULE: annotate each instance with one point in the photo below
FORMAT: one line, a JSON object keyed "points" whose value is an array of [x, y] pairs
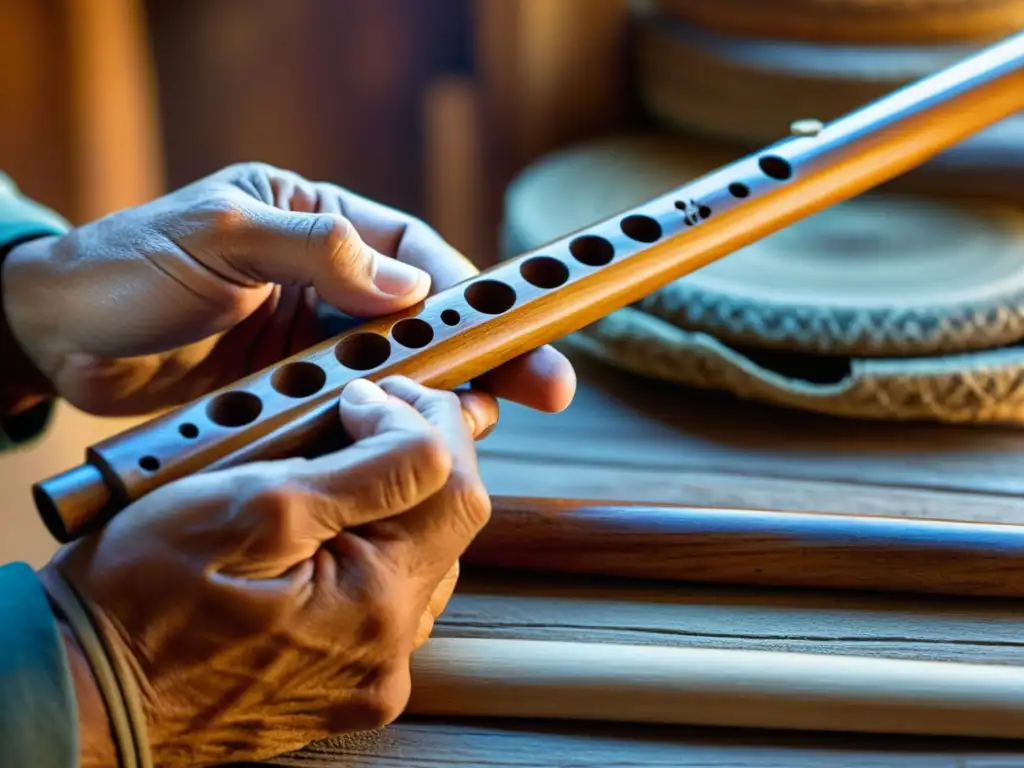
{"points": [[472, 501], [277, 507], [415, 463], [429, 456], [379, 622], [337, 237], [224, 215], [387, 699]]}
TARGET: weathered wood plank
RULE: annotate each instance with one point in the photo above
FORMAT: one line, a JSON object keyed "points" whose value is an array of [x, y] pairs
{"points": [[599, 610], [605, 610], [563, 478], [625, 422], [558, 745]]}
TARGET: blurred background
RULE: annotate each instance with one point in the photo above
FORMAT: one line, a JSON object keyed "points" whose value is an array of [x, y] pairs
{"points": [[437, 106]]}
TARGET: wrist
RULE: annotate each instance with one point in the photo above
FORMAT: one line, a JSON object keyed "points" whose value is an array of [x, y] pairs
{"points": [[95, 737], [23, 385]]}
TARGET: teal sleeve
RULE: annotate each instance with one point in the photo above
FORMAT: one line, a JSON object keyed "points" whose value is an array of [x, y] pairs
{"points": [[38, 710], [23, 219]]}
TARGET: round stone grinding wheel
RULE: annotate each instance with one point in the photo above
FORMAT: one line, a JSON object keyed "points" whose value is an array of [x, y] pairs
{"points": [[854, 21], [750, 91], [880, 275], [578, 186]]}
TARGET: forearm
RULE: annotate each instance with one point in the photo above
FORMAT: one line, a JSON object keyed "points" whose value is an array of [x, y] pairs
{"points": [[95, 739]]}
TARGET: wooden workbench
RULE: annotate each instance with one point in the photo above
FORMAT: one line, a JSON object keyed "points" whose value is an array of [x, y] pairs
{"points": [[628, 438]]}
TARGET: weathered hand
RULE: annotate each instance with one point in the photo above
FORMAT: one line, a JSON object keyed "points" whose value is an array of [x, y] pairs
{"points": [[156, 305], [270, 605]]}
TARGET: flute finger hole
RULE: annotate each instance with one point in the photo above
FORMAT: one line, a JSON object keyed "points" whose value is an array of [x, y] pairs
{"points": [[234, 409], [363, 351], [300, 379], [775, 167], [450, 317], [592, 250], [490, 297], [643, 229], [544, 272], [413, 333], [736, 189], [189, 431], [149, 463]]}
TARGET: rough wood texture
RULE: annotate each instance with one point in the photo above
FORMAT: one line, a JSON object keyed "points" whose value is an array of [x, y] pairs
{"points": [[629, 437], [470, 744], [600, 611], [735, 546]]}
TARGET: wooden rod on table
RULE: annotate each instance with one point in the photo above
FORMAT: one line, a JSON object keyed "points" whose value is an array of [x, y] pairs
{"points": [[754, 547], [460, 677]]}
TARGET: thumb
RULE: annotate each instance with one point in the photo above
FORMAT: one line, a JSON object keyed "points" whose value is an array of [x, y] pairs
{"points": [[326, 251]]}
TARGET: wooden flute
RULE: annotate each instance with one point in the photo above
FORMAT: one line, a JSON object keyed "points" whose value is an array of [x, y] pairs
{"points": [[544, 295], [752, 547]]}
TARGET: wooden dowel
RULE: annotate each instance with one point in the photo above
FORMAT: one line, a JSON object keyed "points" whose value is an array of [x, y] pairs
{"points": [[755, 547], [461, 677]]}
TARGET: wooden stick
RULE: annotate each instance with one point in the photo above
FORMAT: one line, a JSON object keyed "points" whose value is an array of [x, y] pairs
{"points": [[757, 547], [459, 677]]}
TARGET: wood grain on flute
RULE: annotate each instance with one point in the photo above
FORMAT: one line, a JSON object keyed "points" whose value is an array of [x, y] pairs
{"points": [[458, 677], [755, 547], [290, 409]]}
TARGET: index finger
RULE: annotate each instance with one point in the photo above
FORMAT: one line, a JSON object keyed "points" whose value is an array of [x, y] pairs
{"points": [[542, 379], [400, 235], [435, 533]]}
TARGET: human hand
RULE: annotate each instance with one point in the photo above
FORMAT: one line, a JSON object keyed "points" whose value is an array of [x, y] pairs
{"points": [[270, 605], [156, 305]]}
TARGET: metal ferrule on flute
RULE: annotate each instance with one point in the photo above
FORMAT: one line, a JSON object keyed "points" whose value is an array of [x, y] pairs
{"points": [[546, 294]]}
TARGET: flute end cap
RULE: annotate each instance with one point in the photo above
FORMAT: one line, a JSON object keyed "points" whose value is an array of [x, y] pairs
{"points": [[70, 501]]}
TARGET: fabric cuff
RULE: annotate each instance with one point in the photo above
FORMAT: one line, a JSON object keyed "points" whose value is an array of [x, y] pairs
{"points": [[38, 708], [22, 218], [121, 697]]}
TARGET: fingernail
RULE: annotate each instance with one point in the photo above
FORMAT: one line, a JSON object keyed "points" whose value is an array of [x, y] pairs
{"points": [[397, 278], [363, 392]]}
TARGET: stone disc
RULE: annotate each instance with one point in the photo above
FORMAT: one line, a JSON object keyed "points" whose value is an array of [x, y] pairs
{"points": [[857, 21], [750, 91], [883, 274]]}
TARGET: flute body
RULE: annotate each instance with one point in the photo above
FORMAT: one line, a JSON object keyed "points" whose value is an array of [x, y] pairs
{"points": [[546, 294]]}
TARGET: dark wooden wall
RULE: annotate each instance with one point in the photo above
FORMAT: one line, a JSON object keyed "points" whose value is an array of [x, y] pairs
{"points": [[328, 88]]}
